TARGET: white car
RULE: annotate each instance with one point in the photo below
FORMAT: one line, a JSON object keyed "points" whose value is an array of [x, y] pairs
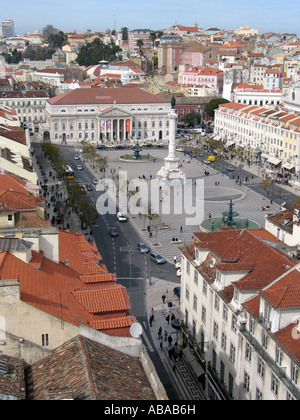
{"points": [[179, 149], [178, 265], [178, 272], [79, 168], [121, 217], [76, 157]]}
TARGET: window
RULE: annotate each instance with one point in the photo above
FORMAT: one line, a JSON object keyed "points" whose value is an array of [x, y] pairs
{"points": [[204, 288], [274, 384], [258, 395], [45, 340], [295, 373], [196, 277], [217, 302], [195, 302], [203, 314], [248, 352], [215, 330], [234, 323], [187, 292], [252, 326], [223, 341], [225, 312], [278, 356], [246, 382], [232, 353]]}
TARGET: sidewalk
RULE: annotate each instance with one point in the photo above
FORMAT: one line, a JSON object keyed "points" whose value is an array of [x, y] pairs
{"points": [[183, 376]]}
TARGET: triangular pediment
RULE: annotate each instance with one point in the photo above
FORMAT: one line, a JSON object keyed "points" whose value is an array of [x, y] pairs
{"points": [[115, 112]]}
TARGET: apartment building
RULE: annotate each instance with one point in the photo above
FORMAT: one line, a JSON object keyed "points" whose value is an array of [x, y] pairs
{"points": [[139, 34], [239, 314], [29, 105], [208, 77], [269, 135]]}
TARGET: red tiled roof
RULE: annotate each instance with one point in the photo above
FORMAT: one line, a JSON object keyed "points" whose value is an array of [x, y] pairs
{"points": [[12, 201], [285, 293], [103, 299], [105, 96], [238, 250], [81, 255]]}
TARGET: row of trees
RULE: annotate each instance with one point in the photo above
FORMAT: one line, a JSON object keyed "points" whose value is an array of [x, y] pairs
{"points": [[77, 195]]}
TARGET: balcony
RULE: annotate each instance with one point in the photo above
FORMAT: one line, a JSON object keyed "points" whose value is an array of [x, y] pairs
{"points": [[213, 377]]}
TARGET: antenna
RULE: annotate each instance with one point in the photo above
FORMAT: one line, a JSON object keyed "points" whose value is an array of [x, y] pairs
{"points": [[136, 330]]}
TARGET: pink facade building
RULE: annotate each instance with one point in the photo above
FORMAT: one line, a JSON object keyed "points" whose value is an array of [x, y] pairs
{"points": [[208, 77]]}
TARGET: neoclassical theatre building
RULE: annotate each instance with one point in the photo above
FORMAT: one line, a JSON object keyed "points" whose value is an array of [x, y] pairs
{"points": [[106, 116]]}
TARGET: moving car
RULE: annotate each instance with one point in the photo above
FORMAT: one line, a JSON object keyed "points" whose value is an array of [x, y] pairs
{"points": [[113, 232], [154, 256], [79, 168], [76, 157], [180, 149], [142, 247], [89, 187], [121, 217], [206, 161], [230, 168], [95, 181]]}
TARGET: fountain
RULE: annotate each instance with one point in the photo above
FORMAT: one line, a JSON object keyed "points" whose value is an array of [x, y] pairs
{"points": [[137, 156], [230, 219]]}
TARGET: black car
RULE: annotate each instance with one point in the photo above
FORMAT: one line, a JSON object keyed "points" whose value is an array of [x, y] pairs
{"points": [[113, 232], [101, 147], [89, 187]]}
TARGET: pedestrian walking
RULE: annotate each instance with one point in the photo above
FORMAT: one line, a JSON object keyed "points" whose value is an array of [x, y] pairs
{"points": [[174, 366], [150, 321], [159, 333], [165, 335], [181, 229], [175, 259], [163, 298], [170, 339], [168, 319]]}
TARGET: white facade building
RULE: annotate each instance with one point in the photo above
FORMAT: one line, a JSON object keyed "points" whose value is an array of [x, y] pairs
{"points": [[231, 320], [106, 115]]}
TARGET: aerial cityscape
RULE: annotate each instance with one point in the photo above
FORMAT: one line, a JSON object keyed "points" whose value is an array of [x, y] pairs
{"points": [[150, 204]]}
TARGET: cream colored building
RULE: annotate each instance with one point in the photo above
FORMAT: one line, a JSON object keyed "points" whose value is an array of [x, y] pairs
{"points": [[237, 341], [263, 133]]}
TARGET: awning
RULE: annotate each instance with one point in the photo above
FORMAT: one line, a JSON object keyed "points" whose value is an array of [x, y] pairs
{"points": [[230, 143], [217, 137], [274, 161], [195, 365], [288, 166]]}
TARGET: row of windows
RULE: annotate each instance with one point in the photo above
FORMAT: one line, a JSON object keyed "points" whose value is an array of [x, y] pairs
{"points": [[86, 125]]}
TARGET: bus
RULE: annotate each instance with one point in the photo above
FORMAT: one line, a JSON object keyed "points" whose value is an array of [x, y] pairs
{"points": [[69, 172]]}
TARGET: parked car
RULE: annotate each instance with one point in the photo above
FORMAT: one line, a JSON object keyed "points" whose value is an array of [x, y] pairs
{"points": [[79, 168], [178, 272], [142, 247], [113, 232], [157, 258], [121, 217], [95, 181], [180, 149], [207, 161], [89, 187], [101, 147]]}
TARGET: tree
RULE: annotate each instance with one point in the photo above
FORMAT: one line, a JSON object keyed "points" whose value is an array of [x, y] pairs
{"points": [[192, 118], [213, 104], [124, 33], [96, 51], [140, 43]]}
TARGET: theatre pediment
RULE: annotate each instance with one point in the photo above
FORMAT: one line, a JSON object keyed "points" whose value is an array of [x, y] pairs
{"points": [[115, 112]]}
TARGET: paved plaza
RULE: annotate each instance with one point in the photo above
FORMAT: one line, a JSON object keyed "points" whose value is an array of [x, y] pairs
{"points": [[218, 191]]}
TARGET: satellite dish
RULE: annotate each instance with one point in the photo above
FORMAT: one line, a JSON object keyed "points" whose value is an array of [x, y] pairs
{"points": [[136, 330]]}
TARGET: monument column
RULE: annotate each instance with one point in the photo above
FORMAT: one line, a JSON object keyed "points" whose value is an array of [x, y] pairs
{"points": [[171, 168]]}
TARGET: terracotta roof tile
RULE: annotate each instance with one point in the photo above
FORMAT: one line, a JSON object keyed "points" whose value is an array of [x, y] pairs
{"points": [[105, 96], [103, 299]]}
